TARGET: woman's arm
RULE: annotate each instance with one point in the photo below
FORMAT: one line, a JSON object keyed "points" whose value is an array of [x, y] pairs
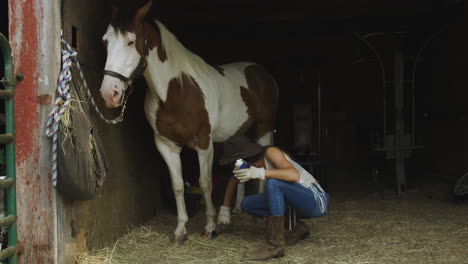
{"points": [[284, 169]]}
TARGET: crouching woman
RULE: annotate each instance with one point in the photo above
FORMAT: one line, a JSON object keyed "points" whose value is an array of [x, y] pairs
{"points": [[287, 184]]}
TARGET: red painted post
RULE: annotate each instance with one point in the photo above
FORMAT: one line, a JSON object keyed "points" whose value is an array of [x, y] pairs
{"points": [[36, 226]]}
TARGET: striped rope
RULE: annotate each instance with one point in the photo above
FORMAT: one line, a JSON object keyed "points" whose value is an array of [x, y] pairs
{"points": [[63, 100]]}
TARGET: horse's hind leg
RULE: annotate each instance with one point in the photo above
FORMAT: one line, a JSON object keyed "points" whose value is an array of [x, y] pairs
{"points": [[171, 155], [239, 196], [205, 159], [265, 140]]}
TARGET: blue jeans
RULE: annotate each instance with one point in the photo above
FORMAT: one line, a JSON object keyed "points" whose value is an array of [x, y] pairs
{"points": [[308, 203]]}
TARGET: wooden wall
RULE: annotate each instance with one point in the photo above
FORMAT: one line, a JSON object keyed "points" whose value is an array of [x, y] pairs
{"points": [[131, 193]]}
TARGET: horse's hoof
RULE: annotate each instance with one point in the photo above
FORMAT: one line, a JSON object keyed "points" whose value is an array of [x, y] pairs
{"points": [[209, 235], [220, 228], [181, 239]]}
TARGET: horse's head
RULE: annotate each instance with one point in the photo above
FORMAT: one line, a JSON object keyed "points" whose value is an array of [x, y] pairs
{"points": [[127, 50]]}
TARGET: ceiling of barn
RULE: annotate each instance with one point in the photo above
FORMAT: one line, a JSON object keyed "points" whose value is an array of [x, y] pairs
{"points": [[320, 27], [247, 11]]}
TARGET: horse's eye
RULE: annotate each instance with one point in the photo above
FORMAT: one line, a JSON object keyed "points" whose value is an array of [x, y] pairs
{"points": [[131, 43]]}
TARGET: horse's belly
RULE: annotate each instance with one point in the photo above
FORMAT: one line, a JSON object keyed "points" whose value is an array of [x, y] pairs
{"points": [[232, 117], [252, 99]]}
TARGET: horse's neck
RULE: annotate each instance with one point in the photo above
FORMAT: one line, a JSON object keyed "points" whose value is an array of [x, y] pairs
{"points": [[177, 61], [158, 74]]}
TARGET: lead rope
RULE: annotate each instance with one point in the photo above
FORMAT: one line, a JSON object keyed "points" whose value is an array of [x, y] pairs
{"points": [[63, 100]]}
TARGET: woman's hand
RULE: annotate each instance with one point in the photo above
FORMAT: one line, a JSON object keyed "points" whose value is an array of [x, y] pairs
{"points": [[249, 174]]}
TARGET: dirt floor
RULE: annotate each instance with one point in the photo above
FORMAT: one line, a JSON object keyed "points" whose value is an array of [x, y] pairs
{"points": [[358, 229]]}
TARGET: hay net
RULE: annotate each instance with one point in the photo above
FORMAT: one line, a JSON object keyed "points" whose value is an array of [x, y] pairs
{"points": [[82, 166]]}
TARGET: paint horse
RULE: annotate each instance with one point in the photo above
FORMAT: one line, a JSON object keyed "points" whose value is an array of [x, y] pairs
{"points": [[188, 102]]}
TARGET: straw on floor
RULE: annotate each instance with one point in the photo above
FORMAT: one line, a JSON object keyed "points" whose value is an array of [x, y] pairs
{"points": [[356, 230]]}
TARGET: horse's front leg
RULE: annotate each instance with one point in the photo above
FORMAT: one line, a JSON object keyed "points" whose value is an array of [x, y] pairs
{"points": [[205, 159], [171, 155]]}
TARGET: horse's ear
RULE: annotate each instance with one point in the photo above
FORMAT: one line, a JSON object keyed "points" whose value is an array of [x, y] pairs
{"points": [[115, 12], [143, 11]]}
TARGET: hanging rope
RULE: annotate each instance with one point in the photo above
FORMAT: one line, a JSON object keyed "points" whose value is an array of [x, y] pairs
{"points": [[63, 100]]}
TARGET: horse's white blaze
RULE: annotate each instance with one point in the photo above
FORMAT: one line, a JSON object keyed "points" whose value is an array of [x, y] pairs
{"points": [[122, 58], [122, 55]]}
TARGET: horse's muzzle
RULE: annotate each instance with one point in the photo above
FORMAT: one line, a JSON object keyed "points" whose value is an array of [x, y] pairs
{"points": [[113, 91]]}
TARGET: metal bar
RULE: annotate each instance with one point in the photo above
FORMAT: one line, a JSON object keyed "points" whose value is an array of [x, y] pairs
{"points": [[399, 122], [10, 148], [319, 115], [400, 148], [7, 183], [294, 216], [6, 138], [384, 78], [7, 221], [9, 252]]}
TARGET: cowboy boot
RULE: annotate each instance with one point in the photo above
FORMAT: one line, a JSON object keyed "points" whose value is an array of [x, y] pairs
{"points": [[275, 243], [299, 232]]}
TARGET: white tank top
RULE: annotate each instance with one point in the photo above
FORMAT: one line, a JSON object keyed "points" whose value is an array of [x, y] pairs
{"points": [[307, 180]]}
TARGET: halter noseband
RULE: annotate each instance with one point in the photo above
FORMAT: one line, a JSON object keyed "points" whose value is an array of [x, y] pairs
{"points": [[116, 75]]}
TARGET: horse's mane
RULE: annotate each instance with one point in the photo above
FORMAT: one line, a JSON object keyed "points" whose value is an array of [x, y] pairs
{"points": [[122, 22], [179, 57], [183, 60]]}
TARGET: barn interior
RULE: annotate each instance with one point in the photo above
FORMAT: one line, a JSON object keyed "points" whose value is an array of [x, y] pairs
{"points": [[372, 97]]}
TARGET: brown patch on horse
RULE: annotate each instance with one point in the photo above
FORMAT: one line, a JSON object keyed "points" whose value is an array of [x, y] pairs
{"points": [[250, 100], [153, 36], [183, 118], [218, 69], [262, 91], [149, 31]]}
